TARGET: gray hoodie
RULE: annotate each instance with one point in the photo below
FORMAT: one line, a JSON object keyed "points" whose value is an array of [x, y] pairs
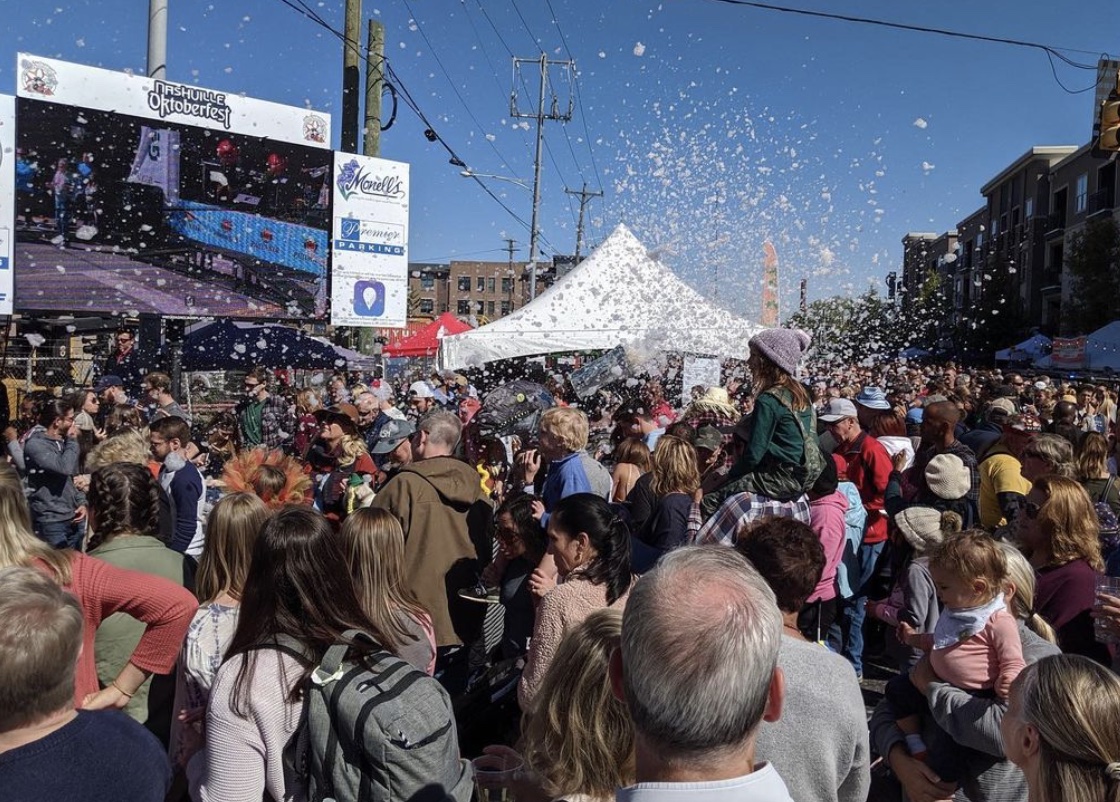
{"points": [[51, 468]]}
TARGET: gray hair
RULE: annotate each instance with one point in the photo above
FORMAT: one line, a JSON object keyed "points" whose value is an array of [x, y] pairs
{"points": [[700, 637], [443, 429], [40, 638], [1055, 451]]}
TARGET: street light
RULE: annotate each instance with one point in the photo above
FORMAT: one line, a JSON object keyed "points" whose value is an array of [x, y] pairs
{"points": [[518, 181], [533, 234]]}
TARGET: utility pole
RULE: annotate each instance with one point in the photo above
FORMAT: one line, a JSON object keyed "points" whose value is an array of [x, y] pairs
{"points": [[375, 82], [510, 242], [584, 198], [540, 115], [351, 75], [371, 141]]}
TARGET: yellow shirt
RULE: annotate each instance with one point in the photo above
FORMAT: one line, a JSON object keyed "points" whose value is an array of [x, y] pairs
{"points": [[1000, 472]]}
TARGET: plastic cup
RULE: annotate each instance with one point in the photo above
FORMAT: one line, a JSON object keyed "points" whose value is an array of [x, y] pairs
{"points": [[494, 776], [1109, 585]]}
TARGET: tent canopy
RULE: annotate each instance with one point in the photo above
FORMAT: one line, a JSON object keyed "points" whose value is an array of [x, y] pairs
{"points": [[619, 295], [233, 345], [1029, 349], [425, 341]]}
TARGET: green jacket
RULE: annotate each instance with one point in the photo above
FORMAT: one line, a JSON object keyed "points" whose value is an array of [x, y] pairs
{"points": [[119, 633]]}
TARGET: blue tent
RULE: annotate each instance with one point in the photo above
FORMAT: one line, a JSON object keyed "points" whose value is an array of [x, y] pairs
{"points": [[230, 345]]}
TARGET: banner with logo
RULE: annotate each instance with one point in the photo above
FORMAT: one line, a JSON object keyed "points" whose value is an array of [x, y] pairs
{"points": [[1068, 353], [56, 81], [369, 242], [8, 159], [156, 162]]}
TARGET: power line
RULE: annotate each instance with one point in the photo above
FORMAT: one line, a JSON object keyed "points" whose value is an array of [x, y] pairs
{"points": [[536, 42], [306, 11], [1051, 51], [579, 99], [435, 54]]}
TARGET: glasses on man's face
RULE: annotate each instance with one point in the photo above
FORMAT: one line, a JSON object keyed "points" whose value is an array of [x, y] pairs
{"points": [[1031, 510], [252, 385], [124, 339]]}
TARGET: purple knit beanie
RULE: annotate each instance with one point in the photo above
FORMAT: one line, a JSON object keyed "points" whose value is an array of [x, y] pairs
{"points": [[783, 347]]}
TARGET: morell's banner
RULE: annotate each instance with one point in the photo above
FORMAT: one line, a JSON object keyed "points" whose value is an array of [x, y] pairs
{"points": [[7, 198], [369, 271], [1068, 353]]}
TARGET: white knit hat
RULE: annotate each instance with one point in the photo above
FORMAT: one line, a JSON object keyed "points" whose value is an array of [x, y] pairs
{"points": [[921, 526], [948, 478]]}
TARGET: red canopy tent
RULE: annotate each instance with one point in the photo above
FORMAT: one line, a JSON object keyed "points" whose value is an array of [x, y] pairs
{"points": [[425, 340]]}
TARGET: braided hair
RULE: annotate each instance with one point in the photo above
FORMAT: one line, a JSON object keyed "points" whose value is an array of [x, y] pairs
{"points": [[123, 500], [607, 534]]}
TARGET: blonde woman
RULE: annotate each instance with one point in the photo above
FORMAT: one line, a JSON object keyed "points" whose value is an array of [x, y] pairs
{"points": [[231, 531], [676, 478], [1062, 728], [373, 542], [102, 589], [1059, 534], [579, 740], [344, 489]]}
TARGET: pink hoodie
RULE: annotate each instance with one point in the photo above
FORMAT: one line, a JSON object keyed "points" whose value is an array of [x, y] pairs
{"points": [[826, 516]]}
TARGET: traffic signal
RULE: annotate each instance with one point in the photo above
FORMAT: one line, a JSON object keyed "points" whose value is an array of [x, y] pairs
{"points": [[1108, 123], [1109, 139]]}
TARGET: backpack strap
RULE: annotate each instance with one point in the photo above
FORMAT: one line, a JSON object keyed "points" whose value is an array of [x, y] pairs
{"points": [[780, 396], [1103, 497], [330, 668]]}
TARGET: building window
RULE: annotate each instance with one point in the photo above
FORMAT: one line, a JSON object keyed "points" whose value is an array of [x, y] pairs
{"points": [[1028, 208], [481, 284], [507, 285], [491, 285], [428, 281], [479, 306], [490, 307], [464, 283], [1082, 191], [427, 306], [464, 307], [995, 227], [505, 307]]}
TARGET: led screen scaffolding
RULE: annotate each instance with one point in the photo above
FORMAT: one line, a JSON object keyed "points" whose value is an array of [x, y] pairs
{"points": [[138, 195]]}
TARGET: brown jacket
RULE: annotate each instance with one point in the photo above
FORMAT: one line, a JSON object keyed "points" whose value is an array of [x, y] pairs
{"points": [[446, 520]]}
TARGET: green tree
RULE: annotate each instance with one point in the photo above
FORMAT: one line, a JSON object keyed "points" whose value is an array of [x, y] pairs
{"points": [[995, 318], [1093, 262]]}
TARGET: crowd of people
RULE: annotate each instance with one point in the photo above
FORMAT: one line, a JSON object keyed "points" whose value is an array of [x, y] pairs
{"points": [[305, 596]]}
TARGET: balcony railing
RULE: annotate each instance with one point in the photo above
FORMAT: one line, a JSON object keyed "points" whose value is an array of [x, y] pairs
{"points": [[1055, 224], [1099, 202]]}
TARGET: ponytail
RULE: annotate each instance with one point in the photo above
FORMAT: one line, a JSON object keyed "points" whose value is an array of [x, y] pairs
{"points": [[1041, 627], [608, 535]]}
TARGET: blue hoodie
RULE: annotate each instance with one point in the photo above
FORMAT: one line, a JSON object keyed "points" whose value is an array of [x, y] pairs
{"points": [[855, 520]]}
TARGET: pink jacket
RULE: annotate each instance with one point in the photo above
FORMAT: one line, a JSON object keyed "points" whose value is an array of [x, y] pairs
{"points": [[826, 516]]}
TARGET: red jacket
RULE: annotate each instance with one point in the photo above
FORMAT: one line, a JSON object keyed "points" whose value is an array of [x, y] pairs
{"points": [[869, 468]]}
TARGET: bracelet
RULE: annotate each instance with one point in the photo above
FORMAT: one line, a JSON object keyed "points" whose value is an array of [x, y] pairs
{"points": [[114, 684]]}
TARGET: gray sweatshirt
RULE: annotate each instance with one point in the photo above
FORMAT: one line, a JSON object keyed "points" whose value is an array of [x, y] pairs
{"points": [[823, 703], [51, 468], [972, 722]]}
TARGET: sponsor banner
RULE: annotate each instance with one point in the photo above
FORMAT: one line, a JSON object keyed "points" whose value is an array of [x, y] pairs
{"points": [[1068, 353], [698, 371], [8, 159], [610, 367], [56, 81], [369, 242]]}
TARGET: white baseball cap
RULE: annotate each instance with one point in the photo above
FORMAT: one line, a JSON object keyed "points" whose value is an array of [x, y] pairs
{"points": [[420, 390]]}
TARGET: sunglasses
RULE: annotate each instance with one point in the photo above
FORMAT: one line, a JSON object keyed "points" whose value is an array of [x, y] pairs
{"points": [[1031, 510]]}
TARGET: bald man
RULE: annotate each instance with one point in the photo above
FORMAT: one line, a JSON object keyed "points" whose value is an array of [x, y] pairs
{"points": [[939, 436]]}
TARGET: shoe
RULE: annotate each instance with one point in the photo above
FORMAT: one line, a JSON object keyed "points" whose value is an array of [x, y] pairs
{"points": [[481, 594]]}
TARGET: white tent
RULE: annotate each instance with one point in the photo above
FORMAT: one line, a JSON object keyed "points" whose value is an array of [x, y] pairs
{"points": [[1027, 350], [619, 295]]}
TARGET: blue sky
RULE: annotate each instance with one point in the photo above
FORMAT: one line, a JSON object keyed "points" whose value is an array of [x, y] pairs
{"points": [[709, 127]]}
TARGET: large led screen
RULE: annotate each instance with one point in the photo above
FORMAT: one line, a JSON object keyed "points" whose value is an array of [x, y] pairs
{"points": [[138, 195]]}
